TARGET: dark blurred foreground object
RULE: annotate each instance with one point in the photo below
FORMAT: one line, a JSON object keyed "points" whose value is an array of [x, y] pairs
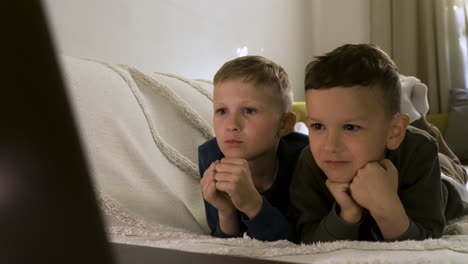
{"points": [[48, 210]]}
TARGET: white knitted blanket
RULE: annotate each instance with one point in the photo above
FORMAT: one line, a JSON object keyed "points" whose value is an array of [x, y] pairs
{"points": [[141, 132], [451, 248]]}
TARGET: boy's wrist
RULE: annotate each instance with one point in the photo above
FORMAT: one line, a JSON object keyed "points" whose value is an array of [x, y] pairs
{"points": [[391, 218], [229, 222], [351, 216], [227, 212], [385, 208], [254, 207]]}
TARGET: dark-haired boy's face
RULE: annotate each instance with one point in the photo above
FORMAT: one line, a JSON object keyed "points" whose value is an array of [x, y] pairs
{"points": [[348, 128]]}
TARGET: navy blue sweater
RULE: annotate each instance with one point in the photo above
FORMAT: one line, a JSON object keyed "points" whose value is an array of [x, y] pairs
{"points": [[272, 222]]}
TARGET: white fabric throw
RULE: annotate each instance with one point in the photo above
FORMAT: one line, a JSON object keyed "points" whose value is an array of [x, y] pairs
{"points": [[141, 133], [449, 249], [413, 97]]}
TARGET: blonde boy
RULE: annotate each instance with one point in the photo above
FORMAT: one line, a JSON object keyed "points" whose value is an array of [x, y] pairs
{"points": [[366, 175], [246, 170]]}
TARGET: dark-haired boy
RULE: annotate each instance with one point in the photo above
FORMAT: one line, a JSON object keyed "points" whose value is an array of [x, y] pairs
{"points": [[366, 174]]}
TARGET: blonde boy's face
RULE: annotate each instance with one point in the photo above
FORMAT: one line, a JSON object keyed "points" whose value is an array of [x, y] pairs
{"points": [[348, 128], [247, 119]]}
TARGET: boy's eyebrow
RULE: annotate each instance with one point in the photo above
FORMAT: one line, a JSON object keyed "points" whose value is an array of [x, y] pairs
{"points": [[245, 102], [312, 118], [353, 119], [358, 118]]}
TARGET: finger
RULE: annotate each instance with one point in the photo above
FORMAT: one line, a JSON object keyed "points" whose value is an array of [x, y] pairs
{"points": [[332, 183], [351, 188], [344, 187], [236, 161], [206, 182], [387, 165], [337, 185], [209, 174], [224, 187], [231, 168], [210, 171], [212, 166], [372, 164], [225, 177], [205, 188], [209, 190]]}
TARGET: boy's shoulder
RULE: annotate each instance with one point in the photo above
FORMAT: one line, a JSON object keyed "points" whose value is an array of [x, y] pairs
{"points": [[293, 142], [296, 139], [418, 136], [210, 143], [291, 145], [417, 144]]}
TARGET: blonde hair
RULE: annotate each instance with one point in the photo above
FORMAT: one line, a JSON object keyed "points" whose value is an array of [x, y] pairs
{"points": [[261, 72]]}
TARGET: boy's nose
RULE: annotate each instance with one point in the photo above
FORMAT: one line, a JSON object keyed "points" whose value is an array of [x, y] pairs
{"points": [[332, 143], [232, 122]]}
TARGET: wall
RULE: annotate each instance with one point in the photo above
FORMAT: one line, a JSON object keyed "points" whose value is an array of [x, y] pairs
{"points": [[194, 38], [337, 22]]}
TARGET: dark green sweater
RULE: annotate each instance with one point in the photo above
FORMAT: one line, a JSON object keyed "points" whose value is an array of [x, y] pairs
{"points": [[428, 202]]}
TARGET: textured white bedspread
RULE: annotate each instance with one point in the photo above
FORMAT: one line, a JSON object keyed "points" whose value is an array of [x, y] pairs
{"points": [[448, 249], [451, 248]]}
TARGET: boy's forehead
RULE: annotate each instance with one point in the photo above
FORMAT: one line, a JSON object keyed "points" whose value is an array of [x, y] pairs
{"points": [[354, 100], [244, 80], [357, 92], [240, 85]]}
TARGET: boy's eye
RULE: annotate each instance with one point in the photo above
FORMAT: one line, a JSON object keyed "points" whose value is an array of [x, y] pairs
{"points": [[351, 127], [221, 111], [249, 110], [316, 126]]}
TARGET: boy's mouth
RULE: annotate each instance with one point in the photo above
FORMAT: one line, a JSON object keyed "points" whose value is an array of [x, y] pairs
{"points": [[232, 142], [336, 163]]}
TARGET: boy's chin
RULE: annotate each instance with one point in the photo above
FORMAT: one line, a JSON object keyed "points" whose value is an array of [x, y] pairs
{"points": [[340, 178], [234, 155]]}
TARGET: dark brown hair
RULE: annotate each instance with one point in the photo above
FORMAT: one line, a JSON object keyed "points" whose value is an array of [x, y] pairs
{"points": [[261, 72], [361, 64]]}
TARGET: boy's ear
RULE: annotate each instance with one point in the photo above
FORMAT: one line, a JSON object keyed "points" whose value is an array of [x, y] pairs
{"points": [[287, 124], [397, 131]]}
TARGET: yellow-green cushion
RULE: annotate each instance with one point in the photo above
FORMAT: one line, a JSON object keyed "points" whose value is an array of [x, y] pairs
{"points": [[439, 120], [299, 109]]}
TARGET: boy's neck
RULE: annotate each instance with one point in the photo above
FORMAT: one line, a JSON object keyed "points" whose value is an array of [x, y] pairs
{"points": [[264, 172]]}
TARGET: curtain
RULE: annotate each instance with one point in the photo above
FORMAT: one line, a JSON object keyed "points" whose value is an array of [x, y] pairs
{"points": [[426, 39]]}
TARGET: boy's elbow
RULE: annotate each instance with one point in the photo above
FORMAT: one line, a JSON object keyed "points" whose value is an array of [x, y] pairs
{"points": [[420, 232]]}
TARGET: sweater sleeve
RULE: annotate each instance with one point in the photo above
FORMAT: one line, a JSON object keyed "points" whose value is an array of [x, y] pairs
{"points": [[421, 193], [333, 228], [213, 222], [269, 224]]}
